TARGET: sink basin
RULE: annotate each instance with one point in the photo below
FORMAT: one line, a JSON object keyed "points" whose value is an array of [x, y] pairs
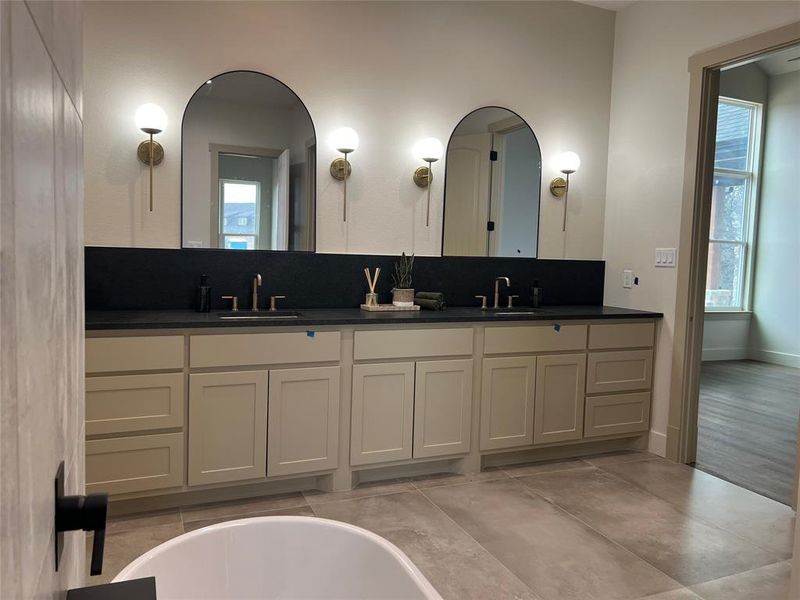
{"points": [[512, 313], [258, 316]]}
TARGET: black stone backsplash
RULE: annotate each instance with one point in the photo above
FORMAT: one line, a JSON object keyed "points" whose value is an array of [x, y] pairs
{"points": [[159, 279]]}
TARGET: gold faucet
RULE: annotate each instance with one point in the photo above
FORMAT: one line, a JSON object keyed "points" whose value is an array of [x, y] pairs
{"points": [[497, 289], [256, 285]]}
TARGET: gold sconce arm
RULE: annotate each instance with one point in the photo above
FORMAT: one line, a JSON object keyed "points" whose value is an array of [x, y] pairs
{"points": [[559, 187], [341, 170], [423, 177], [150, 153]]}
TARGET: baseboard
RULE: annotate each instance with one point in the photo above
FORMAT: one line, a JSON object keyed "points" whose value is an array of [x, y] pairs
{"points": [[776, 358], [713, 354], [657, 443]]}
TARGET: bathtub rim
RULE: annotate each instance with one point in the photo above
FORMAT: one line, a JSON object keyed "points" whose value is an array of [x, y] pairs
{"points": [[410, 568]]}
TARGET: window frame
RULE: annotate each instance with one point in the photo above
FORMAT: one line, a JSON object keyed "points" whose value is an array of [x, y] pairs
{"points": [[221, 220], [752, 177]]}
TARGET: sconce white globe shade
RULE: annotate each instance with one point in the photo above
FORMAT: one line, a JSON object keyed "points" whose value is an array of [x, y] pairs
{"points": [[569, 162], [344, 140], [429, 149], [151, 118]]}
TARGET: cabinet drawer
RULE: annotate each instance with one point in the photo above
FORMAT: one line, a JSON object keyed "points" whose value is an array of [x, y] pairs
{"points": [[231, 350], [134, 464], [619, 413], [413, 343], [537, 338], [621, 335], [151, 353], [130, 403], [619, 371]]}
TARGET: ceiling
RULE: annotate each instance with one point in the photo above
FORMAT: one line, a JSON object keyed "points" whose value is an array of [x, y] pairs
{"points": [[615, 5], [779, 62]]}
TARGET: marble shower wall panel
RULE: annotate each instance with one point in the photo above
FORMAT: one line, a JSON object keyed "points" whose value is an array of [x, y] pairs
{"points": [[41, 291]]}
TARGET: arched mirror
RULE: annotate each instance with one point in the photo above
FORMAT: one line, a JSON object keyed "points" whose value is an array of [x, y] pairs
{"points": [[249, 164], [492, 184]]}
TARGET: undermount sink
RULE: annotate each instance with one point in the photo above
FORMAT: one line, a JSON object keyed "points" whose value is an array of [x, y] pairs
{"points": [[513, 313], [258, 316]]}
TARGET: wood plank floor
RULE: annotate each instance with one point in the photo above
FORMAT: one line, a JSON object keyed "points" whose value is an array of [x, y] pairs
{"points": [[747, 428]]}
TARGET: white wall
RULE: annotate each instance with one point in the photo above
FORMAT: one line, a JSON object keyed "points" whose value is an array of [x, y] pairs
{"points": [[726, 336], [775, 334], [649, 104], [41, 292], [395, 71], [748, 82]]}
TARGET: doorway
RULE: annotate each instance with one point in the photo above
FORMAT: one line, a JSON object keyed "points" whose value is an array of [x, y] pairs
{"points": [[736, 384], [750, 374]]}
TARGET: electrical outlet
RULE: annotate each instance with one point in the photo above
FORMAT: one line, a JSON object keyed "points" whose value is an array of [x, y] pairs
{"points": [[665, 257], [627, 278]]}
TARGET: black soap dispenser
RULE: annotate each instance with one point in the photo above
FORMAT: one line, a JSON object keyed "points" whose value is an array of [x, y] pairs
{"points": [[203, 295], [536, 296]]}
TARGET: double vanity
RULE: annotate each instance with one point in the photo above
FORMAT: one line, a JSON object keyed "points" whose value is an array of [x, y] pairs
{"points": [[185, 407]]}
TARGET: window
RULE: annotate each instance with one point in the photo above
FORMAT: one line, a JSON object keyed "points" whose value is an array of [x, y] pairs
{"points": [[733, 205], [239, 202]]}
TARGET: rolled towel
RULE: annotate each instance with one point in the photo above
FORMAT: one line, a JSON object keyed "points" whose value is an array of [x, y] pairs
{"points": [[430, 300]]}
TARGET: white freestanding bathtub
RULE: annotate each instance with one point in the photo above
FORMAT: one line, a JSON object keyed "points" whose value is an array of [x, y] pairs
{"points": [[280, 557]]}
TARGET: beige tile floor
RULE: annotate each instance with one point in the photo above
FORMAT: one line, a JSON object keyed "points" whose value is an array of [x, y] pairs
{"points": [[621, 526]]}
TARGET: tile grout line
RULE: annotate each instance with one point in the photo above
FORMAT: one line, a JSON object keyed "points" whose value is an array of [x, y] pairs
{"points": [[242, 515], [453, 521], [388, 493], [697, 518], [600, 533]]}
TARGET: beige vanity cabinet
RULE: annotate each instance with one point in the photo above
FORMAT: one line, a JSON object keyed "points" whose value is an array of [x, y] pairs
{"points": [[559, 399], [382, 417], [303, 432], [442, 407], [409, 410], [227, 427], [508, 387]]}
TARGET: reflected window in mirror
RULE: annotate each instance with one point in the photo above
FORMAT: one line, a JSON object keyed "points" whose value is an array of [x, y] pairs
{"points": [[492, 186], [249, 166]]}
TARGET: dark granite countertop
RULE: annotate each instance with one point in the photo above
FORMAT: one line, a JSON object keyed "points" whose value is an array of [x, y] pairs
{"points": [[177, 319]]}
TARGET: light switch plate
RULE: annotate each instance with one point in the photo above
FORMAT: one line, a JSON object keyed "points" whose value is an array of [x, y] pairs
{"points": [[665, 257], [627, 278]]}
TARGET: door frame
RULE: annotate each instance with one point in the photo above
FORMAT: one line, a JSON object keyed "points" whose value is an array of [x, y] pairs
{"points": [[704, 69], [214, 151]]}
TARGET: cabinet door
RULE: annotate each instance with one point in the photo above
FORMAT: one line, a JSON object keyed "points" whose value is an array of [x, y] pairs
{"points": [[303, 420], [442, 407], [507, 402], [558, 405], [227, 426], [383, 413]]}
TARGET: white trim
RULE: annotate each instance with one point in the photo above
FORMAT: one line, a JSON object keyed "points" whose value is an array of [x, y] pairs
{"points": [[715, 354], [727, 315], [657, 443], [776, 358]]}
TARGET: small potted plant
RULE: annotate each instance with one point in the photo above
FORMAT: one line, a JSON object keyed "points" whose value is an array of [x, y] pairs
{"points": [[403, 293]]}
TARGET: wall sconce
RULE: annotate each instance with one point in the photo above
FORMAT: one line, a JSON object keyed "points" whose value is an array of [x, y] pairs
{"points": [[151, 119], [567, 163], [428, 150], [344, 140]]}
